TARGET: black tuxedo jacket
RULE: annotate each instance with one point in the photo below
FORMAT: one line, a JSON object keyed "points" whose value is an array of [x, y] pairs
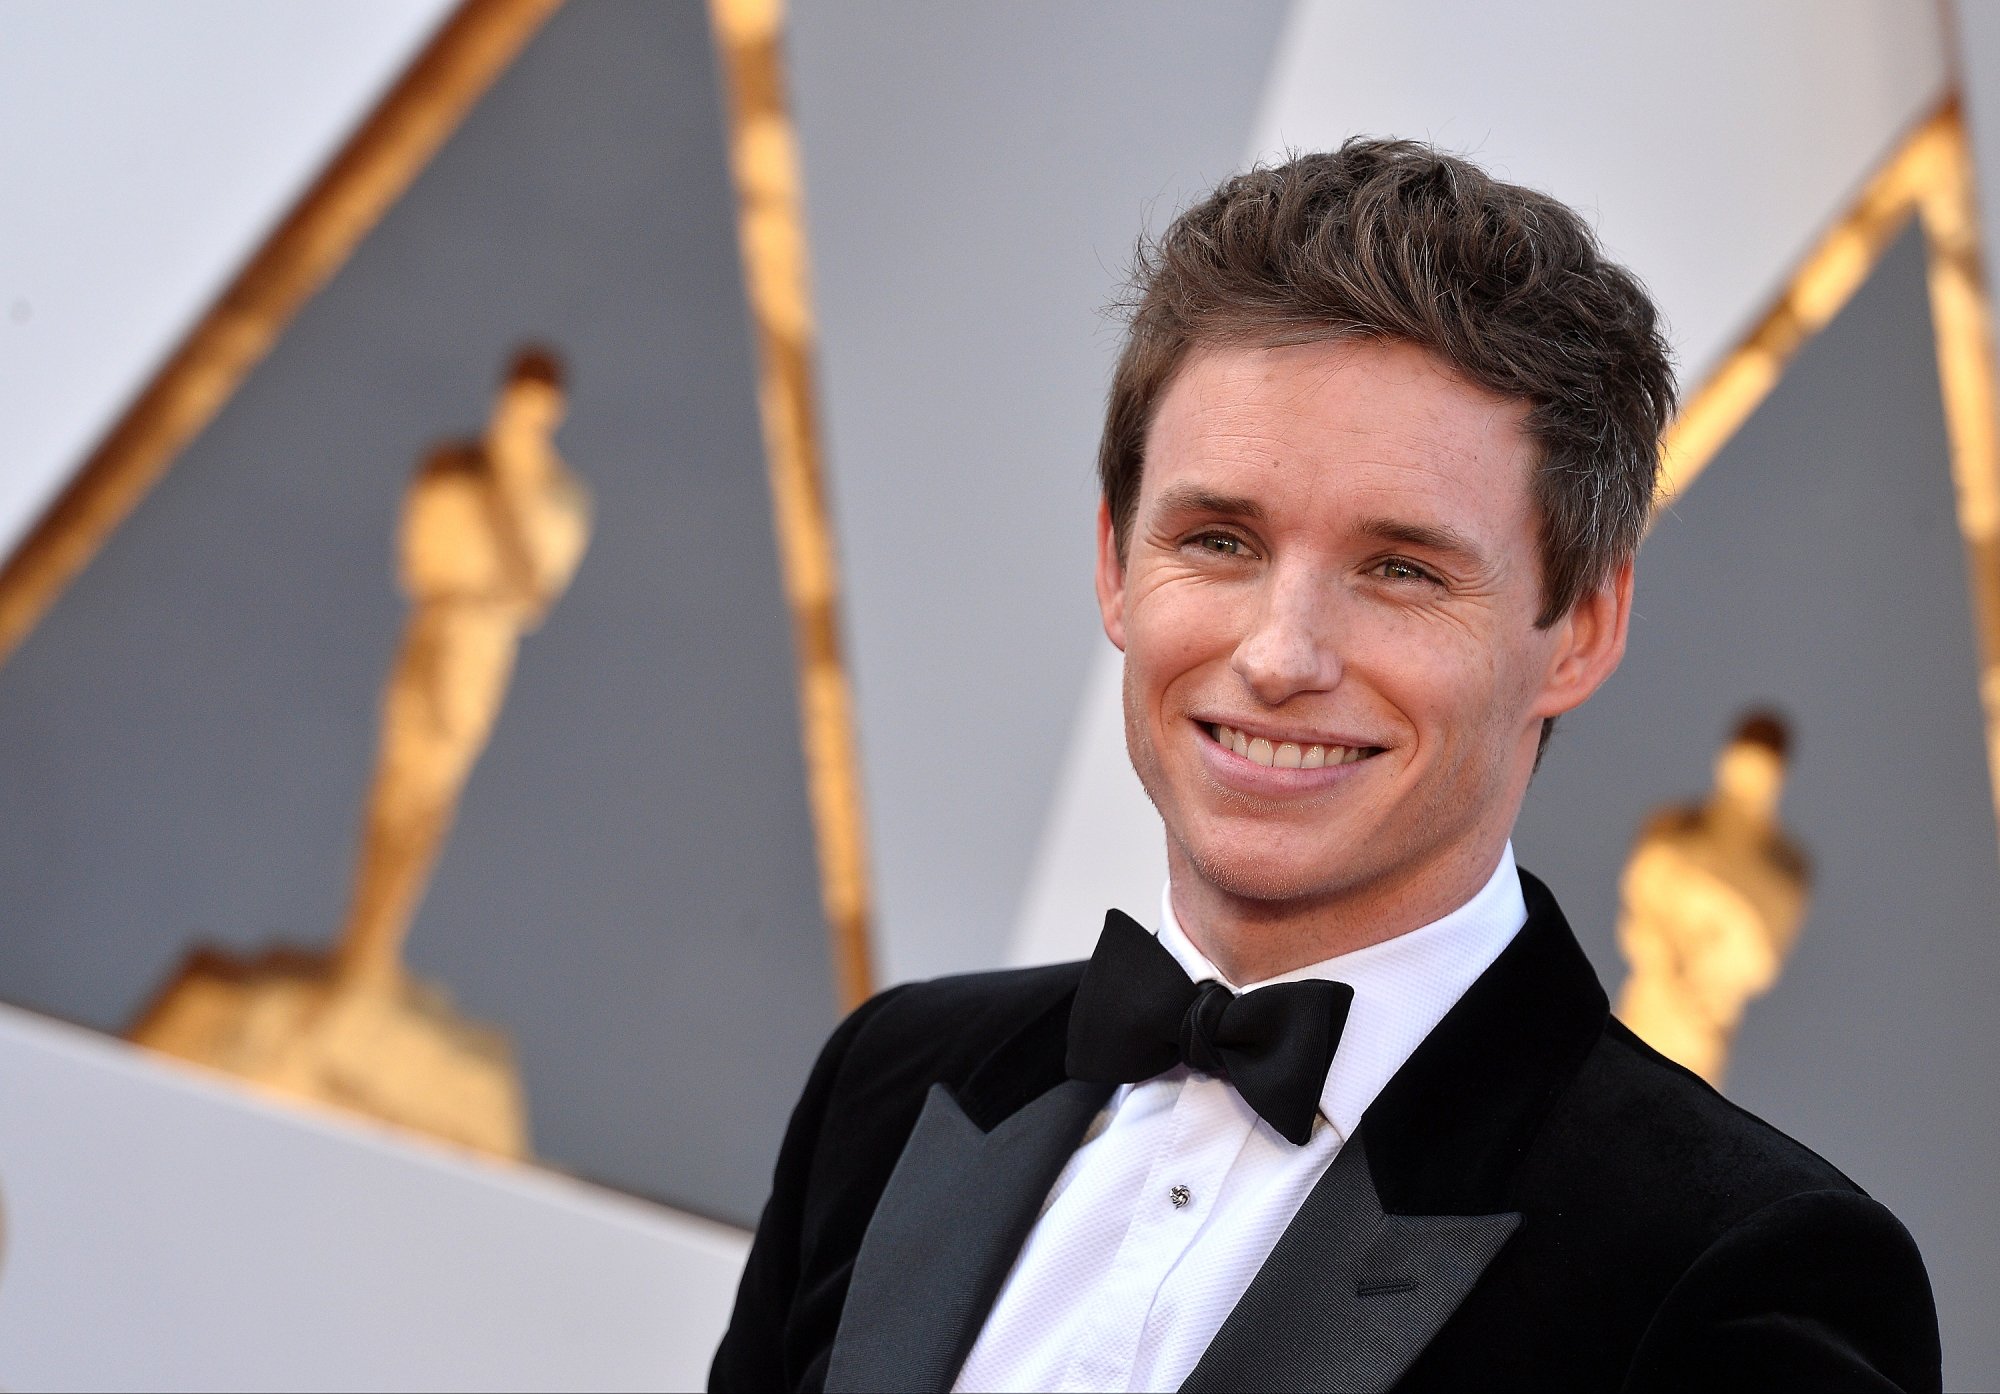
{"points": [[1536, 1201]]}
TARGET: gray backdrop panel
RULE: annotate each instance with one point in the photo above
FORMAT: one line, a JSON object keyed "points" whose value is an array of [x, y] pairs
{"points": [[631, 889], [1817, 566]]}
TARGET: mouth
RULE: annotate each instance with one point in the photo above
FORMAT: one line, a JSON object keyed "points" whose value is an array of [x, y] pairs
{"points": [[1276, 752]]}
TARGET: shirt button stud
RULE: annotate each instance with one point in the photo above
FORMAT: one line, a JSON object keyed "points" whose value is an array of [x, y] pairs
{"points": [[1180, 1196]]}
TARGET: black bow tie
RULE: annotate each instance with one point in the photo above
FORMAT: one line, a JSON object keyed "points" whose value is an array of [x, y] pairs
{"points": [[1137, 1014]]}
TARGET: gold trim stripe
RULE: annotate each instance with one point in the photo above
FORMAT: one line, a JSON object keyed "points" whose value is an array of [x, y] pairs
{"points": [[763, 152], [1930, 176], [369, 174], [1818, 289], [1962, 320]]}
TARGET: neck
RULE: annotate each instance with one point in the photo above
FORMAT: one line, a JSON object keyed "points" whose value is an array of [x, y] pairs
{"points": [[1252, 940]]}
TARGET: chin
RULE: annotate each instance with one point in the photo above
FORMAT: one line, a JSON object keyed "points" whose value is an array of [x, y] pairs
{"points": [[1270, 874]]}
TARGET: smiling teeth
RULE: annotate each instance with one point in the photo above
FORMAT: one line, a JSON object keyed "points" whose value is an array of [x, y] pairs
{"points": [[1284, 755]]}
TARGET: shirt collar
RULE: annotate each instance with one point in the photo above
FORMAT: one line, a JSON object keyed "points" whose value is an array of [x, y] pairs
{"points": [[1402, 987]]}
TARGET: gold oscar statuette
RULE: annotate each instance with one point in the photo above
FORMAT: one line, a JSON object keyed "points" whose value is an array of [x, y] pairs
{"points": [[1711, 899], [492, 531]]}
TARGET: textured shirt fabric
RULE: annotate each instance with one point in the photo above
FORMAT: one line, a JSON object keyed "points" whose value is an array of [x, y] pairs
{"points": [[1179, 1191]]}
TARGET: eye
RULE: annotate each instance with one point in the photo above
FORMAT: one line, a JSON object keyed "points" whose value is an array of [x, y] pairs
{"points": [[1400, 569], [1222, 544]]}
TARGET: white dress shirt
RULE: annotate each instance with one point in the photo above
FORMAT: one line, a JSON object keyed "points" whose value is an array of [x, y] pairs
{"points": [[1179, 1190]]}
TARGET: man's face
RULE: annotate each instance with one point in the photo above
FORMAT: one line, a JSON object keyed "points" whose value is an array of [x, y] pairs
{"points": [[1333, 678]]}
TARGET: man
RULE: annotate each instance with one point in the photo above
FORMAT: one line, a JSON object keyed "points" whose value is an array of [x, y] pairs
{"points": [[1378, 455]]}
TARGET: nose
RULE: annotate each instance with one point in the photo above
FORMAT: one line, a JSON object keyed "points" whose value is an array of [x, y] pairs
{"points": [[1292, 644]]}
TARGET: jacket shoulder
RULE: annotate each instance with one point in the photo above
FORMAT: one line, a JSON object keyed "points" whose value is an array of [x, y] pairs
{"points": [[1641, 1182], [941, 1030], [1822, 1290], [1668, 1140], [1639, 1167]]}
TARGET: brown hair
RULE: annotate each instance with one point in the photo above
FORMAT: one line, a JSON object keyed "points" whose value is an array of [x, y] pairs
{"points": [[1392, 239]]}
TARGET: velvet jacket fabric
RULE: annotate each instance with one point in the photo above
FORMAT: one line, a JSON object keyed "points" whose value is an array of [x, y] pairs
{"points": [[1536, 1200]]}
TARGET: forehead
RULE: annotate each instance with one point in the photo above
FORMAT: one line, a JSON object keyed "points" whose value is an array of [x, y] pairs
{"points": [[1373, 423]]}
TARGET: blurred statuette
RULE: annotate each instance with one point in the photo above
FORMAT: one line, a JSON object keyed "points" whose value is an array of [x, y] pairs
{"points": [[1712, 900], [492, 531]]}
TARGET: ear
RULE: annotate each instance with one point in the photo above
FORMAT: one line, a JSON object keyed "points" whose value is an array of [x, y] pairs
{"points": [[1110, 578], [1590, 641]]}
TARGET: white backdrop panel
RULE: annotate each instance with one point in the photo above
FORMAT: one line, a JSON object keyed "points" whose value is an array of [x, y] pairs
{"points": [[149, 149], [1708, 140], [164, 1229]]}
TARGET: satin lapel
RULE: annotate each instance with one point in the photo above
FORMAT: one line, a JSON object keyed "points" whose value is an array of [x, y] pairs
{"points": [[1350, 1296], [1445, 1135], [945, 1233]]}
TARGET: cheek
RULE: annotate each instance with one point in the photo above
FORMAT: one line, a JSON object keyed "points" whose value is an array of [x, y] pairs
{"points": [[1441, 680], [1524, 674], [1176, 629], [1460, 695]]}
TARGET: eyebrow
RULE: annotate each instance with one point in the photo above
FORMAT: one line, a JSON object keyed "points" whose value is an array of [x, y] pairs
{"points": [[1192, 498], [1439, 538]]}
